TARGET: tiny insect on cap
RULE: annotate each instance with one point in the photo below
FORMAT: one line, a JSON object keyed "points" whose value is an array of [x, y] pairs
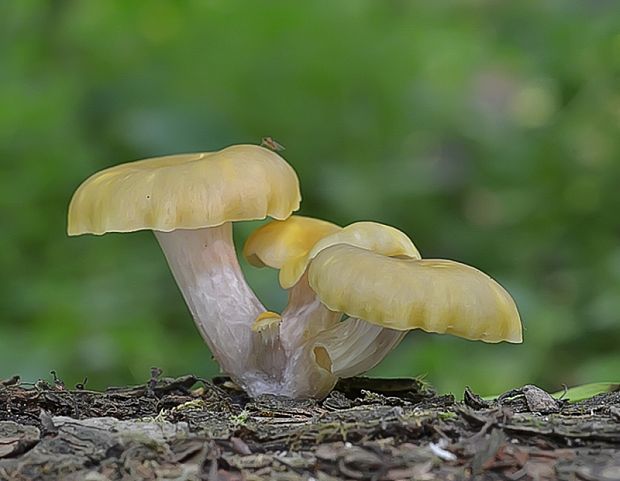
{"points": [[186, 191], [270, 143], [439, 296]]}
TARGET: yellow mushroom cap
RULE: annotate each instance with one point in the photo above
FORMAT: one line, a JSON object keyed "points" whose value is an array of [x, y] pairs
{"points": [[279, 241], [186, 191], [439, 296], [372, 236]]}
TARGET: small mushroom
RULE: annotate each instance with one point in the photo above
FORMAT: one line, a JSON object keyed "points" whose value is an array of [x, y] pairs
{"points": [[374, 274], [190, 202]]}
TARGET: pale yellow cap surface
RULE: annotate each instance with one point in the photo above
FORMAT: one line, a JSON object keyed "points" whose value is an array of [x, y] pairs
{"points": [[439, 296], [280, 241], [372, 236], [186, 191]]}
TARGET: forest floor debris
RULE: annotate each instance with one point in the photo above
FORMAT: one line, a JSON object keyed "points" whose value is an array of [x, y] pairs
{"points": [[367, 429]]}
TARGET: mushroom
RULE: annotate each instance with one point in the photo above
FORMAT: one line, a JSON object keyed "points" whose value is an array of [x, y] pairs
{"points": [[368, 271], [374, 274], [190, 202]]}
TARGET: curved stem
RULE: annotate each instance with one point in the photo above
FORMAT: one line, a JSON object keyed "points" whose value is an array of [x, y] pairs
{"points": [[224, 307]]}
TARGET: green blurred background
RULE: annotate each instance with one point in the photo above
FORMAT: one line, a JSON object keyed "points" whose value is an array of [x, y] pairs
{"points": [[487, 131]]}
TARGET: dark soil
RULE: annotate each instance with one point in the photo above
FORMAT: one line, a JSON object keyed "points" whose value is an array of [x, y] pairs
{"points": [[191, 429]]}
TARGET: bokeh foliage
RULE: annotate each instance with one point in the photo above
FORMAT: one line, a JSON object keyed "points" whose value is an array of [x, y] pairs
{"points": [[488, 131]]}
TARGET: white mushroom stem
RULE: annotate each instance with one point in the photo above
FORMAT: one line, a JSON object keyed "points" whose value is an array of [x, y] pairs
{"points": [[224, 307]]}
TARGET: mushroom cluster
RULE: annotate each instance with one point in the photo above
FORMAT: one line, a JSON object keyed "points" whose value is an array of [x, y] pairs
{"points": [[354, 292]]}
